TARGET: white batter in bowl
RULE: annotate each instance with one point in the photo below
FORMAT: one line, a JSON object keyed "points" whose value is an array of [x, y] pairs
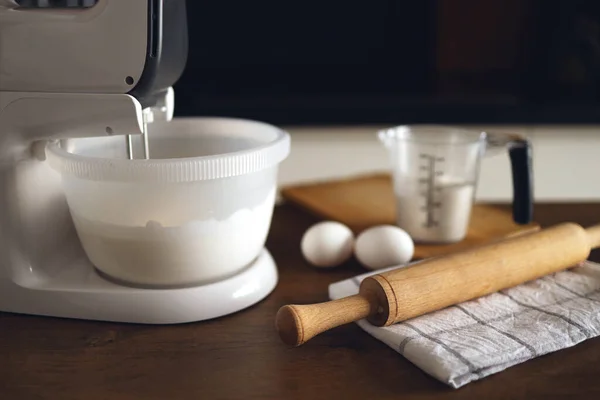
{"points": [[198, 210]]}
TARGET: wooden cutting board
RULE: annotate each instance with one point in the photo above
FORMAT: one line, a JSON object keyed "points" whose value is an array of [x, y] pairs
{"points": [[365, 201]]}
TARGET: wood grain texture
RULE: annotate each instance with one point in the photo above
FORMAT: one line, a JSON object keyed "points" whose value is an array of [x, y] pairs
{"points": [[438, 283], [365, 201], [241, 356]]}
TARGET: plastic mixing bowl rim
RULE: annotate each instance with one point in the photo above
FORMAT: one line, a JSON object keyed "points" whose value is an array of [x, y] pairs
{"points": [[55, 148], [185, 169]]}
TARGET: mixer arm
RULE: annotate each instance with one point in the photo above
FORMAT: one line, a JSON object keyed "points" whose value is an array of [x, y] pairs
{"points": [[29, 117]]}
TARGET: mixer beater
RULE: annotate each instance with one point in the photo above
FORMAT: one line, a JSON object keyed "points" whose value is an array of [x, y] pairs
{"points": [[147, 118]]}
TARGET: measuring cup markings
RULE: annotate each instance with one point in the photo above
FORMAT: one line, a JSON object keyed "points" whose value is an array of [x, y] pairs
{"points": [[431, 201]]}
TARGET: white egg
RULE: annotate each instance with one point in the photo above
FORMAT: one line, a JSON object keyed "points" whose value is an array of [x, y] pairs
{"points": [[383, 246], [327, 244]]}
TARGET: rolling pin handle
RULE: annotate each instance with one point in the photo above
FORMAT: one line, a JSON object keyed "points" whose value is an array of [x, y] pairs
{"points": [[297, 324], [593, 233]]}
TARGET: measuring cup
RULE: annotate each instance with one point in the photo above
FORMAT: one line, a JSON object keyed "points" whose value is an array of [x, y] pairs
{"points": [[435, 170]]}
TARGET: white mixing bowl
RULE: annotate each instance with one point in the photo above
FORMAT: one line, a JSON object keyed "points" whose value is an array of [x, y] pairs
{"points": [[198, 210]]}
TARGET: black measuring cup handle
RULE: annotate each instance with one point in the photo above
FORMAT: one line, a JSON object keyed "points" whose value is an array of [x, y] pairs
{"points": [[520, 154]]}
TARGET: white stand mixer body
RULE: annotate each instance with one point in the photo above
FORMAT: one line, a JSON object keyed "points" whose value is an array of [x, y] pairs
{"points": [[43, 269], [44, 96]]}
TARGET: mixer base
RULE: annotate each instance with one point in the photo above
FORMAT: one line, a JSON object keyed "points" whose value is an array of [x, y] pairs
{"points": [[78, 291]]}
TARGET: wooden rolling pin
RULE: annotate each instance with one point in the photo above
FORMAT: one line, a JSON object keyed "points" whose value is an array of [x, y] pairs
{"points": [[436, 283]]}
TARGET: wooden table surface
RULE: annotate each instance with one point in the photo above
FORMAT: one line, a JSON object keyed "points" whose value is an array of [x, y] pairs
{"points": [[240, 356]]}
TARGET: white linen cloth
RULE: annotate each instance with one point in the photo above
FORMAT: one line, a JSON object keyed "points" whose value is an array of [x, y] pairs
{"points": [[478, 338]]}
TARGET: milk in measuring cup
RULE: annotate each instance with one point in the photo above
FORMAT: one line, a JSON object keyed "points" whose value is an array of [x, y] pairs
{"points": [[439, 215]]}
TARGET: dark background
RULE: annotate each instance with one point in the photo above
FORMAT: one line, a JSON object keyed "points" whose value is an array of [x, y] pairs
{"points": [[392, 61]]}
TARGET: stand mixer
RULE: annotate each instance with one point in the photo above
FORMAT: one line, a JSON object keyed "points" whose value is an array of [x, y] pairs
{"points": [[71, 72]]}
